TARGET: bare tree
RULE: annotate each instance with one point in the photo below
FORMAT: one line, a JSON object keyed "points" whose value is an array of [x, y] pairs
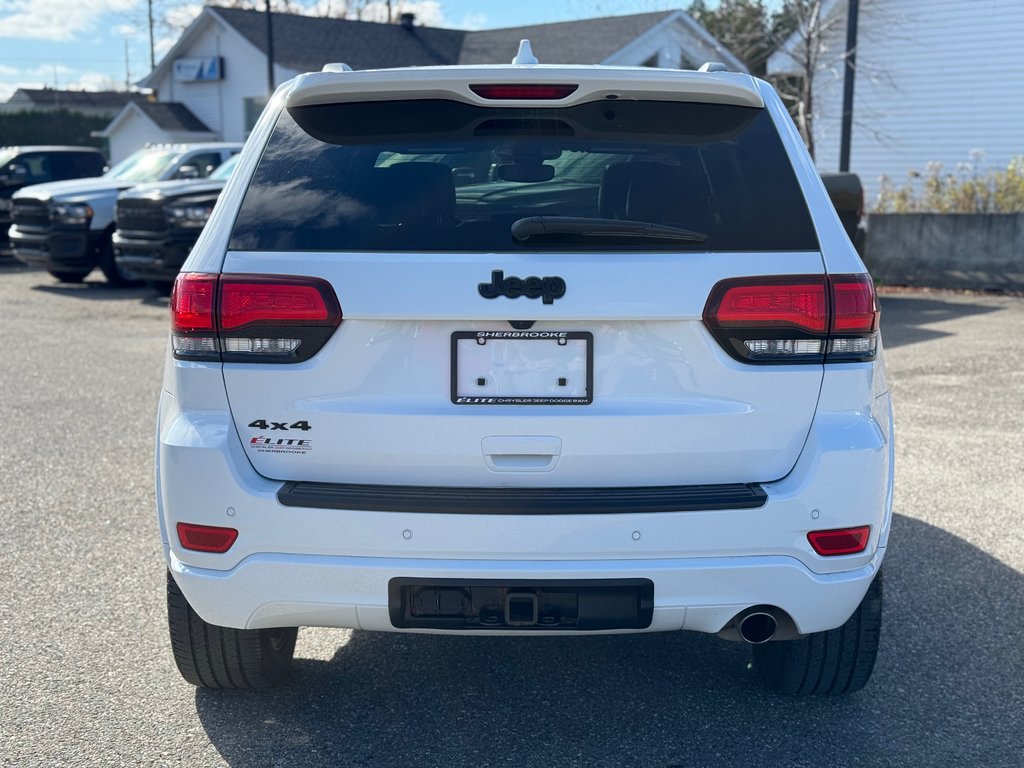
{"points": [[812, 40], [742, 26]]}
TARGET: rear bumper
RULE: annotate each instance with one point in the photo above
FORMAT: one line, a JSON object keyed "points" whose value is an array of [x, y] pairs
{"points": [[158, 260], [699, 594], [308, 565], [58, 249]]}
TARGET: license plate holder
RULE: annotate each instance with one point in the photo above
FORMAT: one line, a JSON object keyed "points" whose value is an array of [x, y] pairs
{"points": [[522, 368]]}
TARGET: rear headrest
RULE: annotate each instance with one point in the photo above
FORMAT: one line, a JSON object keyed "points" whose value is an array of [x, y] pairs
{"points": [[415, 193], [655, 192]]}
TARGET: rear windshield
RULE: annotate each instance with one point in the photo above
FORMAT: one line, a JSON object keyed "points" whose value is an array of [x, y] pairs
{"points": [[438, 175]]}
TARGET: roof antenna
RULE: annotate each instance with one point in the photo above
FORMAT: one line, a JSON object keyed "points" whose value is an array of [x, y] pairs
{"points": [[525, 55]]}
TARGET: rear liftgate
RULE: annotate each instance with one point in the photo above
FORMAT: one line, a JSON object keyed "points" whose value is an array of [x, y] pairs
{"points": [[459, 604]]}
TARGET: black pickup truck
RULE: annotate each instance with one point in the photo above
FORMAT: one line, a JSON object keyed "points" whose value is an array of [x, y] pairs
{"points": [[847, 195], [158, 223], [24, 166]]}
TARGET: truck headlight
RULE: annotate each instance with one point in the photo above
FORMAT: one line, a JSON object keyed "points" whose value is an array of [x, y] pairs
{"points": [[188, 216], [73, 214]]}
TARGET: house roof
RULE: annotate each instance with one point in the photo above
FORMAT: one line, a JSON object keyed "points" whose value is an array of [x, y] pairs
{"points": [[172, 116], [169, 116], [53, 97], [306, 43], [586, 41]]}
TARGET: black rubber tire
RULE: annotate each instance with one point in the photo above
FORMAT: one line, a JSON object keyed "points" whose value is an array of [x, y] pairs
{"points": [[108, 265], [210, 656], [163, 287], [826, 663], [69, 277]]}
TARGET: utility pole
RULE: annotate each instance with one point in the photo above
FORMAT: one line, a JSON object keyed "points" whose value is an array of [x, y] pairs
{"points": [[127, 69], [270, 52], [152, 46], [850, 59]]}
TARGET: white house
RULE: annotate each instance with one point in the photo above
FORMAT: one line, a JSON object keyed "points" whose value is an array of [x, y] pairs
{"points": [[143, 121], [936, 81], [214, 79]]}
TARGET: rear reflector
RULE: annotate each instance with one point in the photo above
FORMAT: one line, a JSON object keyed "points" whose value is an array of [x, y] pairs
{"points": [[840, 541], [251, 318], [206, 538], [795, 319], [525, 92]]}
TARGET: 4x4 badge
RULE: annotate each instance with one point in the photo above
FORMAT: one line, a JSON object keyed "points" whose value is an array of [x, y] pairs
{"points": [[546, 288]]}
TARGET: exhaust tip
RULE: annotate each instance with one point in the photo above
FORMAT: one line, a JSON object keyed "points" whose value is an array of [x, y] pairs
{"points": [[758, 627]]}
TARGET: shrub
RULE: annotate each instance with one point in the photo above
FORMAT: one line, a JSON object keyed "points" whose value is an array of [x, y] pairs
{"points": [[966, 191]]}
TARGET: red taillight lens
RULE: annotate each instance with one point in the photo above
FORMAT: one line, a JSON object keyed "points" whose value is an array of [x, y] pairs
{"points": [[855, 309], [797, 319], [840, 541], [251, 318], [798, 304], [206, 538], [525, 91], [248, 300], [192, 302]]}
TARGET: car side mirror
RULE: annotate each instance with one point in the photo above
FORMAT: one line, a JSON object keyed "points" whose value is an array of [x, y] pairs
{"points": [[187, 172], [16, 174]]}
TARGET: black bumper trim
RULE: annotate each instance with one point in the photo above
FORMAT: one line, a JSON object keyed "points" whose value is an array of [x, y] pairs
{"points": [[522, 501]]}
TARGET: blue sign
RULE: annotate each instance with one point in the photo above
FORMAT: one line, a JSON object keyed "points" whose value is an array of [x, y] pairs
{"points": [[199, 70]]}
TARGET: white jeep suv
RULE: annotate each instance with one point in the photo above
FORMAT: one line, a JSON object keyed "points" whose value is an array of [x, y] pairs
{"points": [[525, 350]]}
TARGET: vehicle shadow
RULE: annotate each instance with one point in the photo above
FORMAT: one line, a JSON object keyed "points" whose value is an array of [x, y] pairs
{"points": [[11, 264], [905, 318], [946, 691], [94, 289]]}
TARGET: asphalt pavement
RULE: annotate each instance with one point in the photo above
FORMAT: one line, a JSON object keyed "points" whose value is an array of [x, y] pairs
{"points": [[87, 679]]}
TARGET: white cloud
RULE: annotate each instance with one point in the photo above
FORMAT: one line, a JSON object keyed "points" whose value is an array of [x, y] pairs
{"points": [[46, 71], [472, 21], [57, 20], [94, 81]]}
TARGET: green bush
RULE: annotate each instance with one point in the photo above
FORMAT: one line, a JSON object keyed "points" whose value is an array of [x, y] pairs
{"points": [[966, 191], [59, 127]]}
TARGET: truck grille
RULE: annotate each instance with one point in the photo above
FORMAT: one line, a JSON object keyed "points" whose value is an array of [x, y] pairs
{"points": [[141, 216], [31, 213]]}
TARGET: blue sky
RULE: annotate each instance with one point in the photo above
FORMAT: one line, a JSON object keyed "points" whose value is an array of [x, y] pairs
{"points": [[83, 44]]}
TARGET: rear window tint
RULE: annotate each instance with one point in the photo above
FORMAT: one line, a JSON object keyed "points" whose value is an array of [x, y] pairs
{"points": [[437, 175]]}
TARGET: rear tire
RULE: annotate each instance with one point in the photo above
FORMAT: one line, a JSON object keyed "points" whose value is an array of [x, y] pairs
{"points": [[210, 656], [163, 287], [826, 663], [69, 277], [108, 265]]}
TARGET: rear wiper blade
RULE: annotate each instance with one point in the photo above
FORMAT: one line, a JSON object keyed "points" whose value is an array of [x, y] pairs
{"points": [[547, 226]]}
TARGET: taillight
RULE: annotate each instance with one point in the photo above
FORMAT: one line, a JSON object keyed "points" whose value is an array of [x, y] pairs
{"points": [[853, 332], [795, 319], [840, 541], [251, 318], [206, 538], [539, 92]]}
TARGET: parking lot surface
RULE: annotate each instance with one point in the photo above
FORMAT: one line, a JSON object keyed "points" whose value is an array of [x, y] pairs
{"points": [[86, 672]]}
